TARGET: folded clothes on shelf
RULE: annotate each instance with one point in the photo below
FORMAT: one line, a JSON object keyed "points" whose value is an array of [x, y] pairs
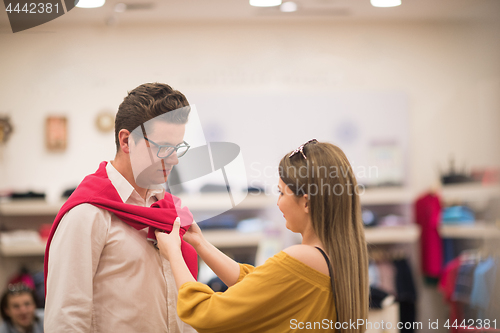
{"points": [[27, 195], [457, 214]]}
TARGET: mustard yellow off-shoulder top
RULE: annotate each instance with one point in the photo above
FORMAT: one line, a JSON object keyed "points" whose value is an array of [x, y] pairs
{"points": [[282, 295]]}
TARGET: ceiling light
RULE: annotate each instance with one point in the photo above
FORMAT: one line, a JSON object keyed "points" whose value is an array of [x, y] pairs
{"points": [[385, 3], [265, 3], [288, 7], [120, 7], [90, 3]]}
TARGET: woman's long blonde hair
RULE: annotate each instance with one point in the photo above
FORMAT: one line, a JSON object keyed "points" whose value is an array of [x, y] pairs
{"points": [[326, 176]]}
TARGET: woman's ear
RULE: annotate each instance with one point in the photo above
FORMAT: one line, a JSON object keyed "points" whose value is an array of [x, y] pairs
{"points": [[124, 139], [306, 203]]}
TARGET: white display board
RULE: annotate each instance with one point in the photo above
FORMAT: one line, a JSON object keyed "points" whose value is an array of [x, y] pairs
{"points": [[371, 127]]}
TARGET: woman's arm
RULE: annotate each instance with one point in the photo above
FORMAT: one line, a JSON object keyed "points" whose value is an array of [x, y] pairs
{"points": [[226, 268]]}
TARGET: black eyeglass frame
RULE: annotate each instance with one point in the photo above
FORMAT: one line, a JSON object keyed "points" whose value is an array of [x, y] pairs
{"points": [[184, 144]]}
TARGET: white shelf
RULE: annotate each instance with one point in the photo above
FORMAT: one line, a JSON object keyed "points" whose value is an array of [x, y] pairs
{"points": [[209, 201], [22, 250], [219, 201], [29, 207], [219, 238], [392, 235], [232, 238], [386, 196], [469, 192], [471, 231], [222, 238]]}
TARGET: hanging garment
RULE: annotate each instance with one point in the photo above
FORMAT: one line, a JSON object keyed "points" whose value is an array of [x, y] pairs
{"points": [[447, 287], [387, 273], [483, 285], [373, 274], [464, 281], [427, 213], [406, 293]]}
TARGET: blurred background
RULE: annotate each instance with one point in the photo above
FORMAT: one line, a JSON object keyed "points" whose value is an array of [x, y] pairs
{"points": [[411, 93]]}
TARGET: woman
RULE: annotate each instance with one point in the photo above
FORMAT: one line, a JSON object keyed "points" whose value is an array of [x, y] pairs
{"points": [[18, 310], [297, 288]]}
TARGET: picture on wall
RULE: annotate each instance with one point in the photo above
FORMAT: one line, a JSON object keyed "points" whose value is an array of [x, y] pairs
{"points": [[56, 133]]}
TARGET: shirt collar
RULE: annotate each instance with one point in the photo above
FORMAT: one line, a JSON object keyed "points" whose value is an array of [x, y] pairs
{"points": [[125, 189]]}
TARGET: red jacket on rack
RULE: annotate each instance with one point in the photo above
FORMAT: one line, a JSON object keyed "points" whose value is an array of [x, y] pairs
{"points": [[428, 216]]}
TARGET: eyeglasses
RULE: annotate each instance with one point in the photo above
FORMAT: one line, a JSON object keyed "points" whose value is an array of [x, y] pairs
{"points": [[14, 288], [165, 151], [301, 149]]}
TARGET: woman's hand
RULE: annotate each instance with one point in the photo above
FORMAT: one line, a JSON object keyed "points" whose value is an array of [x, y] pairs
{"points": [[169, 244], [194, 236]]}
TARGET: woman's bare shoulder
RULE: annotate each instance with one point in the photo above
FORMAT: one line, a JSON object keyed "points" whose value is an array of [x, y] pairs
{"points": [[308, 255]]}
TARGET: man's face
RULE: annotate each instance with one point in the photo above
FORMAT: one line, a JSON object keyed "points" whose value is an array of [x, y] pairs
{"points": [[147, 167], [21, 309]]}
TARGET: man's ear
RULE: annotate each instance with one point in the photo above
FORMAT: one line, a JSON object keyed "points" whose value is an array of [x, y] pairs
{"points": [[124, 139]]}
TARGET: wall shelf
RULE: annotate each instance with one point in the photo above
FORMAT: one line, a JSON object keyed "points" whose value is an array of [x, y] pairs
{"points": [[470, 231], [469, 192], [219, 201], [23, 250], [220, 238], [392, 235], [29, 207], [232, 238], [386, 196], [207, 201], [223, 238]]}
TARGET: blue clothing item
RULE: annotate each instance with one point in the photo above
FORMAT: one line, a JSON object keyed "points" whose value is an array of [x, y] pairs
{"points": [[484, 283], [457, 214], [373, 274], [464, 282], [448, 250]]}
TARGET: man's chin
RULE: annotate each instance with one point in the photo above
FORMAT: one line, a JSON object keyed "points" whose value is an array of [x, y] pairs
{"points": [[151, 182]]}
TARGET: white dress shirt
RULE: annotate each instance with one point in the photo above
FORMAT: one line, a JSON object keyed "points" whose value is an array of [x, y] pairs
{"points": [[104, 276]]}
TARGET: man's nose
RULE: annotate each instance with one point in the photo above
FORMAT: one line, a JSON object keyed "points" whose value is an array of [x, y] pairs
{"points": [[172, 159]]}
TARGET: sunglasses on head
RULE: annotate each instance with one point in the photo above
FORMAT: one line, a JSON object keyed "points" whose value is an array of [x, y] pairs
{"points": [[301, 149]]}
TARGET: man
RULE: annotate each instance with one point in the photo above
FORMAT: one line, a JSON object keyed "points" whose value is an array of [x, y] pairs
{"points": [[18, 310], [103, 274]]}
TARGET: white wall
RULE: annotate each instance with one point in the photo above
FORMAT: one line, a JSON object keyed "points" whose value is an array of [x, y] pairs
{"points": [[450, 72]]}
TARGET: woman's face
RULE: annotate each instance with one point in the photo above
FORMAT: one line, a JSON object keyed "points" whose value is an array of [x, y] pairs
{"points": [[293, 208], [21, 309]]}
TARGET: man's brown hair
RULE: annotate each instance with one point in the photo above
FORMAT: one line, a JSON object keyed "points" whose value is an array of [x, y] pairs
{"points": [[146, 102]]}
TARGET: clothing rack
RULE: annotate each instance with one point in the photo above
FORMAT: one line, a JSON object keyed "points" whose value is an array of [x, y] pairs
{"points": [[471, 285], [389, 253], [390, 272]]}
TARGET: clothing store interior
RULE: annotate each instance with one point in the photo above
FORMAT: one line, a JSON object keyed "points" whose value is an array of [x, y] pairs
{"points": [[409, 90]]}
